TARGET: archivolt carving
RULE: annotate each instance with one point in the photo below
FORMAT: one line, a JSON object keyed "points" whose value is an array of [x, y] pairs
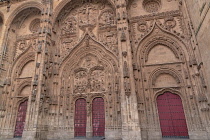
{"points": [[31, 4], [159, 41], [165, 70], [21, 62], [158, 36], [21, 84]]}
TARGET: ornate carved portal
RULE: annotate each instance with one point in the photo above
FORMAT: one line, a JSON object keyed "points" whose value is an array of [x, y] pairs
{"points": [[80, 118], [20, 121], [171, 114], [98, 117]]}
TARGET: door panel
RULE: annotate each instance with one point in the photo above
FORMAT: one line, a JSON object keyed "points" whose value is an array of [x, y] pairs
{"points": [[171, 115], [20, 121], [80, 118], [98, 119]]}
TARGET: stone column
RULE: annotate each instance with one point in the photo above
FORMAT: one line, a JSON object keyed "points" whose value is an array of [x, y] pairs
{"points": [[130, 120], [36, 123]]}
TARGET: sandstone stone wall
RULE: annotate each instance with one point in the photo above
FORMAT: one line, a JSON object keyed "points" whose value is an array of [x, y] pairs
{"points": [[128, 52]]}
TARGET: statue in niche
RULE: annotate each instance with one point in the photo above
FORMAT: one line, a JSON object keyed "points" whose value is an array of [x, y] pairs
{"points": [[107, 19], [22, 45], [88, 16]]}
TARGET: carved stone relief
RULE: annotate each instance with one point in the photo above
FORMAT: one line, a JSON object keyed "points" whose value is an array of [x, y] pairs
{"points": [[90, 76], [25, 42]]}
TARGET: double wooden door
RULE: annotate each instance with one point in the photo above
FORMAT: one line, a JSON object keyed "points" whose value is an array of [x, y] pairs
{"points": [[98, 118]]}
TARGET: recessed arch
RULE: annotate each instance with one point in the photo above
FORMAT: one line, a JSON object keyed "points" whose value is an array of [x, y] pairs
{"points": [[158, 35], [61, 6], [22, 7]]}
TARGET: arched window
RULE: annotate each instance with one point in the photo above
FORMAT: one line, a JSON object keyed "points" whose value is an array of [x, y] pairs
{"points": [[21, 117], [80, 118], [98, 119], [171, 114]]}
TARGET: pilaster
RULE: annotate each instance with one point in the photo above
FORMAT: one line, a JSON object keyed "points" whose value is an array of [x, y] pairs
{"points": [[36, 125], [130, 120]]}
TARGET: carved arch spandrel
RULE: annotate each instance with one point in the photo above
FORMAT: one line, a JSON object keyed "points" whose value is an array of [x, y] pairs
{"points": [[91, 46]]}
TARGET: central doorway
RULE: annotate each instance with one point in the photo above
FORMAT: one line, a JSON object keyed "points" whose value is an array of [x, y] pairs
{"points": [[98, 118]]}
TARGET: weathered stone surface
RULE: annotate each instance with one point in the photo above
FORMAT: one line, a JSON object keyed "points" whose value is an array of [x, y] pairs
{"points": [[128, 52]]}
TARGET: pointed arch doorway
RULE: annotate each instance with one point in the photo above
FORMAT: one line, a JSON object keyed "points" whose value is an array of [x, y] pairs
{"points": [[21, 117], [171, 114]]}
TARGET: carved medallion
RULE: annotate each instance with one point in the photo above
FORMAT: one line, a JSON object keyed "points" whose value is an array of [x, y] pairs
{"points": [[152, 6]]}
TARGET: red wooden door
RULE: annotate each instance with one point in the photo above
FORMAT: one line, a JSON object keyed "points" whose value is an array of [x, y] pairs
{"points": [[98, 118], [80, 118], [171, 114], [20, 121]]}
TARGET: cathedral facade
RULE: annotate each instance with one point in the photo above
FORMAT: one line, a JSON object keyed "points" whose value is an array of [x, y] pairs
{"points": [[106, 69]]}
